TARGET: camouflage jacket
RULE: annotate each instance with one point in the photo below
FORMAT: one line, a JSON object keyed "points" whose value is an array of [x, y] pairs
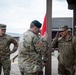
{"points": [[67, 50], [32, 51], [5, 42]]}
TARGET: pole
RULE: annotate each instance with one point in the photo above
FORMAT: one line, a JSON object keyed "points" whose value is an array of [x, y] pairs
{"points": [[74, 22], [49, 31]]}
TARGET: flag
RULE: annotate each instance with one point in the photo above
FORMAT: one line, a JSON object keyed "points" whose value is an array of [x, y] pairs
{"points": [[43, 26]]}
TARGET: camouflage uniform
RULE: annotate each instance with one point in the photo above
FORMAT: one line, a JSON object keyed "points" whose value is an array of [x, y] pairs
{"points": [[32, 52], [5, 52], [67, 54]]}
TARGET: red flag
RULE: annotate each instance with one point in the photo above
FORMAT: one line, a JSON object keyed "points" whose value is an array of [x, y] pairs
{"points": [[43, 26]]}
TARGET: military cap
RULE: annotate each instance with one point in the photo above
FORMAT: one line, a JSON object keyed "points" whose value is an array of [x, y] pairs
{"points": [[63, 27], [37, 23], [2, 26]]}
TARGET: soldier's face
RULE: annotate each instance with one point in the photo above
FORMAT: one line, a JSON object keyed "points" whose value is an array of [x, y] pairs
{"points": [[64, 33], [36, 30], [2, 31]]}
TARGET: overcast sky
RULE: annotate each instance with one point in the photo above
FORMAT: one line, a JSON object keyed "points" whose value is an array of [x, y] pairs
{"points": [[17, 14]]}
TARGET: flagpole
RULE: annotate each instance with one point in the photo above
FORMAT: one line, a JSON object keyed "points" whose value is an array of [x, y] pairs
{"points": [[49, 31]]}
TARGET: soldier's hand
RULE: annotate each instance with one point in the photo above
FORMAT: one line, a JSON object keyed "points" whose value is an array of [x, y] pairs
{"points": [[45, 36], [43, 64], [9, 53], [57, 35]]}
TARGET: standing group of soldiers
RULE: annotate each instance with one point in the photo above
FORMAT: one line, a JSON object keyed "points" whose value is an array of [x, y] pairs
{"points": [[33, 50]]}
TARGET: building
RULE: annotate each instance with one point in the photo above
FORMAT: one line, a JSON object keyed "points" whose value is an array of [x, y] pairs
{"points": [[56, 23]]}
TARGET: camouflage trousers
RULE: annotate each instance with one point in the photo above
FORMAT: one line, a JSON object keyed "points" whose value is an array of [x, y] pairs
{"points": [[62, 70], [35, 73], [5, 64]]}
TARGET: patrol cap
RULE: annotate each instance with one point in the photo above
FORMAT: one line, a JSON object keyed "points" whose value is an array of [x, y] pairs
{"points": [[37, 23], [63, 27], [2, 26]]}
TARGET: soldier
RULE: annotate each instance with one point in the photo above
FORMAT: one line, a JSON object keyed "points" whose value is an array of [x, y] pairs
{"points": [[32, 50], [67, 51], [5, 52]]}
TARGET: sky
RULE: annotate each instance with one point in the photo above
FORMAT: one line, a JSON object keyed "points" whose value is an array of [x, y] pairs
{"points": [[18, 14]]}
